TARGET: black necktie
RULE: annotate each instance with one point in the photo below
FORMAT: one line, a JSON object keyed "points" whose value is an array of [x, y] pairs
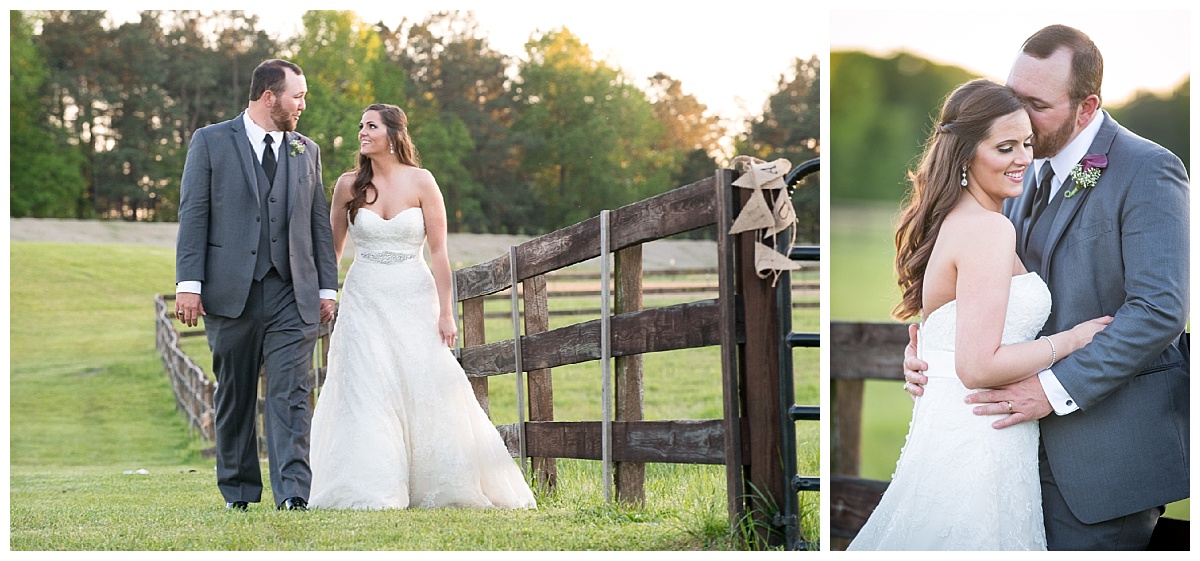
{"points": [[268, 159], [1040, 224], [1041, 199]]}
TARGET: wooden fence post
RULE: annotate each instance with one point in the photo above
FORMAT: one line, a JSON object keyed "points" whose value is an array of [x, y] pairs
{"points": [[541, 384], [473, 336], [630, 476], [761, 360], [731, 364]]}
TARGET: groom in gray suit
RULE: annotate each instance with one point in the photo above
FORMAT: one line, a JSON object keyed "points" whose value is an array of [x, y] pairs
{"points": [[1109, 241], [255, 257]]}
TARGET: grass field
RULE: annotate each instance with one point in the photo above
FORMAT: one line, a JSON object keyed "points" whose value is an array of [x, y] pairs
{"points": [[863, 288], [89, 402]]}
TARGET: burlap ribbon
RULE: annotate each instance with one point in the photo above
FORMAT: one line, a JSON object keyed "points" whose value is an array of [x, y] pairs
{"points": [[766, 179]]}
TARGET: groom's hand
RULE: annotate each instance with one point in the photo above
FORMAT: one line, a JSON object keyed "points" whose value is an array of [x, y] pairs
{"points": [[1022, 401], [188, 308], [914, 379], [328, 310]]}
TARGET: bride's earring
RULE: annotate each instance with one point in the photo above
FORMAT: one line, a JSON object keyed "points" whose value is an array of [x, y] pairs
{"points": [[964, 176], [392, 150]]}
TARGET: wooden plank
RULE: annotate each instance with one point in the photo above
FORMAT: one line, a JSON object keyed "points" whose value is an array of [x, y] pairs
{"points": [[474, 336], [629, 476], [541, 384], [574, 244], [484, 278], [678, 210], [683, 326], [685, 442], [861, 351], [851, 502], [845, 429], [730, 361]]}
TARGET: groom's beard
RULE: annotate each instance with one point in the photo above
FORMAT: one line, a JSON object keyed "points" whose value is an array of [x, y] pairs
{"points": [[1048, 144], [282, 119]]}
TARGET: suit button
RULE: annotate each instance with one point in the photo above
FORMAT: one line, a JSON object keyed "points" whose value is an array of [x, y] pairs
{"points": [[253, 252], [273, 240], [258, 219], [272, 199], [272, 220]]}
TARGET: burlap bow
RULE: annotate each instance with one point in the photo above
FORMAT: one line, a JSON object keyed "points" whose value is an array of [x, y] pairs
{"points": [[766, 179]]}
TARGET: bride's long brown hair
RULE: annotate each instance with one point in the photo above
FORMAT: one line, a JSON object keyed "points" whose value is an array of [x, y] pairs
{"points": [[396, 123], [966, 119]]}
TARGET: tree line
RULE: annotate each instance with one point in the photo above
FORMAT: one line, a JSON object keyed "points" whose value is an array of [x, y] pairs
{"points": [[882, 109], [101, 115]]}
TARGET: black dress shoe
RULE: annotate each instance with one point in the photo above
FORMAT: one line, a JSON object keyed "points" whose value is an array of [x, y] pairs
{"points": [[237, 505], [294, 503]]}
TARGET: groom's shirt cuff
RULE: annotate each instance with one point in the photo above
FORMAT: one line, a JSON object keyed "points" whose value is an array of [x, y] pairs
{"points": [[328, 294], [1060, 400], [187, 286]]}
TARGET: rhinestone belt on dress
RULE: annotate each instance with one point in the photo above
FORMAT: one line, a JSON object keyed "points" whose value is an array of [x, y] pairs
{"points": [[385, 257]]}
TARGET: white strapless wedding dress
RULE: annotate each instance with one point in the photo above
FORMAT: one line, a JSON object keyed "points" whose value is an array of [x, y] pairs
{"points": [[959, 483], [397, 424]]}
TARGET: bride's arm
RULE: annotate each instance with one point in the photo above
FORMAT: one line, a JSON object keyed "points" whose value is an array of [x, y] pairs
{"points": [[337, 214], [984, 261], [433, 207]]}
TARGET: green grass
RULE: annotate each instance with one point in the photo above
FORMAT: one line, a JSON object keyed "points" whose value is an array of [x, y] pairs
{"points": [[863, 288], [89, 401]]}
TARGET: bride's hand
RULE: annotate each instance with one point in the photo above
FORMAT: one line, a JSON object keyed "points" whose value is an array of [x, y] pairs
{"points": [[914, 379], [448, 330], [1083, 333]]}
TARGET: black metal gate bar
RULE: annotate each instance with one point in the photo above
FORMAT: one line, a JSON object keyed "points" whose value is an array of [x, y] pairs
{"points": [[789, 515]]}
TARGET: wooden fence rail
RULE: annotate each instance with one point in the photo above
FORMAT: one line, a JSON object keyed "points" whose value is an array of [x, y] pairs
{"points": [[741, 440]]}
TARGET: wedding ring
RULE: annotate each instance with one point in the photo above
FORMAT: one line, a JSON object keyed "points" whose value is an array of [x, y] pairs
{"points": [[1009, 406], [905, 386]]}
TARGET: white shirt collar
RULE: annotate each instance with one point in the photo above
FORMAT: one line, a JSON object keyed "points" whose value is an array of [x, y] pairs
{"points": [[256, 133], [1071, 154]]}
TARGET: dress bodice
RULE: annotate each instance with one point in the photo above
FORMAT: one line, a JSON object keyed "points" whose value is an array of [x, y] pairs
{"points": [[1028, 308], [379, 240]]}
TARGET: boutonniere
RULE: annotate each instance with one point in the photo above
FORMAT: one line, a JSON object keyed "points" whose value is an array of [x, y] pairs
{"points": [[1086, 173], [298, 145]]}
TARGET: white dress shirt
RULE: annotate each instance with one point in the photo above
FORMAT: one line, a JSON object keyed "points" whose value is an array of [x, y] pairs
{"points": [[1062, 163]]}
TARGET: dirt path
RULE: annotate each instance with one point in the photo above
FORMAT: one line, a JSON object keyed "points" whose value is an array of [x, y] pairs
{"points": [[465, 249]]}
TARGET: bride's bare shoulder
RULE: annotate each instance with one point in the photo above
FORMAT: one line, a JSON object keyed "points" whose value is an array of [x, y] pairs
{"points": [[978, 231]]}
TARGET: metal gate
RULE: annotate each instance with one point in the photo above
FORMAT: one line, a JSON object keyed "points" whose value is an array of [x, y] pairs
{"points": [[790, 413]]}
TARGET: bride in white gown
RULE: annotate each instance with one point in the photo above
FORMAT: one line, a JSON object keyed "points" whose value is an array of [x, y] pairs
{"points": [[960, 484], [397, 424]]}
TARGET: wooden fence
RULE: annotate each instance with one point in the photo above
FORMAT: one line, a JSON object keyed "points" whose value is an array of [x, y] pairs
{"points": [[745, 440], [857, 352]]}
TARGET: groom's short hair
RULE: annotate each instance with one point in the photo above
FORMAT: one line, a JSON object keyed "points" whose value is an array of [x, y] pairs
{"points": [[1087, 66], [270, 76]]}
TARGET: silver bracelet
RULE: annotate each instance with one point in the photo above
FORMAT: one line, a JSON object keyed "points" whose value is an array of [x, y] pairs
{"points": [[1053, 352]]}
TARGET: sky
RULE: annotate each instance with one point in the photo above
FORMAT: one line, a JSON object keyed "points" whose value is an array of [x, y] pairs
{"points": [[1148, 50], [725, 55]]}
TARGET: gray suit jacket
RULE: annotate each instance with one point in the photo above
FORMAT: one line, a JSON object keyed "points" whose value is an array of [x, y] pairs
{"points": [[1120, 248], [218, 227]]}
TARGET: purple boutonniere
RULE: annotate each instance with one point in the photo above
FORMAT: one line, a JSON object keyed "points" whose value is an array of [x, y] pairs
{"points": [[1087, 172], [298, 145]]}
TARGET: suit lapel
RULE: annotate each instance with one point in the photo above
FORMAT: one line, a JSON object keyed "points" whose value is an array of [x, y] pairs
{"points": [[246, 156], [293, 170], [1069, 207]]}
